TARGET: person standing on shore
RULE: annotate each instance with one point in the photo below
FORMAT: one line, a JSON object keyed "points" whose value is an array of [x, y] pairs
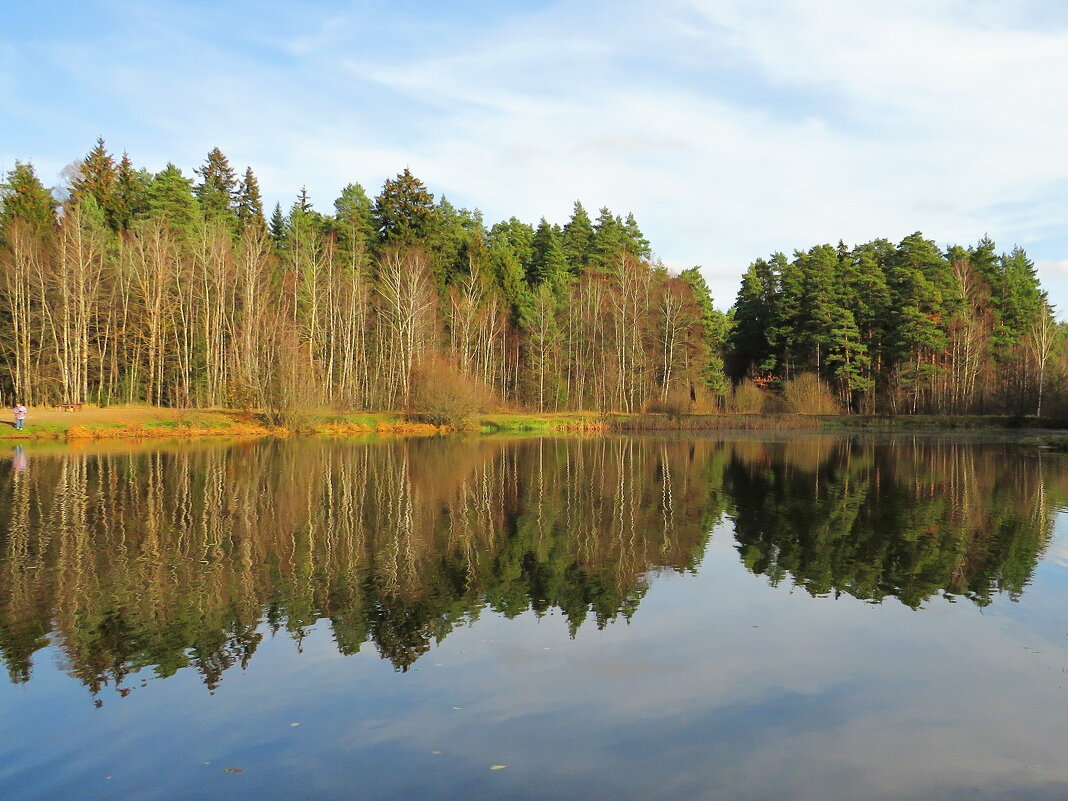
{"points": [[20, 416]]}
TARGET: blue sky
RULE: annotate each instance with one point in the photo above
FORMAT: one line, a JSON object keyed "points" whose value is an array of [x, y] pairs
{"points": [[731, 128]]}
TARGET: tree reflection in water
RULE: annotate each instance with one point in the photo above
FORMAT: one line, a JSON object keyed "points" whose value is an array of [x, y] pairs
{"points": [[169, 559]]}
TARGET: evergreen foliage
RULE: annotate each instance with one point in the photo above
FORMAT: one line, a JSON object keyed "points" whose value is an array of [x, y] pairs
{"points": [[248, 204], [170, 198], [895, 329], [97, 177], [218, 189], [404, 211], [23, 196]]}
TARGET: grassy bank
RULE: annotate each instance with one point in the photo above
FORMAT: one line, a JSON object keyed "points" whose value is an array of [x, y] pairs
{"points": [[145, 422]]}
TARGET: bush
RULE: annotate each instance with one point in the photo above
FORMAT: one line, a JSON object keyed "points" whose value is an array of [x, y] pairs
{"points": [[676, 404], [443, 396], [806, 394], [747, 398]]}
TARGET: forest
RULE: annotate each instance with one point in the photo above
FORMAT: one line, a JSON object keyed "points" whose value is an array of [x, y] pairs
{"points": [[125, 286]]}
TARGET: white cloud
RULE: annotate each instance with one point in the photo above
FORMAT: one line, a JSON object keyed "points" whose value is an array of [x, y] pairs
{"points": [[1060, 267]]}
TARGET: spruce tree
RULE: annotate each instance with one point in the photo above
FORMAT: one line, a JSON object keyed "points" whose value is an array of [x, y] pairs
{"points": [[249, 203], [1021, 299], [749, 347], [510, 278], [170, 196], [278, 227], [404, 212], [449, 243], [131, 193], [303, 202], [217, 190], [98, 177], [23, 196]]}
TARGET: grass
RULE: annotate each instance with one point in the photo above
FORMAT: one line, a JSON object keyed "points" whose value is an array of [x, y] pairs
{"points": [[564, 422]]}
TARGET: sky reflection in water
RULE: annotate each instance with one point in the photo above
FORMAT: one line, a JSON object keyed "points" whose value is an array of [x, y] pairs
{"points": [[452, 576]]}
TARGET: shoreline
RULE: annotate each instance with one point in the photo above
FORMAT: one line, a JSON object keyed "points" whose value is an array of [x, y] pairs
{"points": [[146, 422]]}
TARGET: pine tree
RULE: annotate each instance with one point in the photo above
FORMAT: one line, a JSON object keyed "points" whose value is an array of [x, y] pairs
{"points": [[985, 263], [862, 289], [637, 244], [548, 260], [354, 219], [609, 241], [578, 240], [847, 356], [820, 310], [784, 286], [917, 279]]}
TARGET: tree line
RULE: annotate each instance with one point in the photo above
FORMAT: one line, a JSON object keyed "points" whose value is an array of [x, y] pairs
{"points": [[177, 290], [126, 286], [901, 329]]}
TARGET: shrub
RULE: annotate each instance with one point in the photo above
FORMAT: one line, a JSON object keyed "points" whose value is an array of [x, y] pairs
{"points": [[806, 394], [747, 398], [443, 396], [676, 404]]}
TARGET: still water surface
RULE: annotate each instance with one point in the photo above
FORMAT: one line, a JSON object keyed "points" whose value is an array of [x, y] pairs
{"points": [[641, 618]]}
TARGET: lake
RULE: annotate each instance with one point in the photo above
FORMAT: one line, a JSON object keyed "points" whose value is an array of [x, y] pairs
{"points": [[701, 617]]}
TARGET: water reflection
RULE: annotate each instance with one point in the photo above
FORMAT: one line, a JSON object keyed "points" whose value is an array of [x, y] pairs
{"points": [[905, 519], [174, 559]]}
